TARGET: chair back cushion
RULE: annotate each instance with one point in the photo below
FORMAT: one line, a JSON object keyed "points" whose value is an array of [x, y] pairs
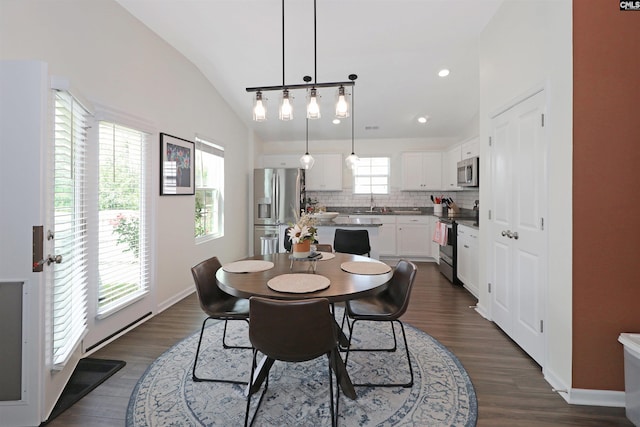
{"points": [[351, 241], [399, 289], [287, 240], [204, 275], [291, 330]]}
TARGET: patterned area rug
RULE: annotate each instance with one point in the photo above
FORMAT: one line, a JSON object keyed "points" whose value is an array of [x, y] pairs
{"points": [[298, 394]]}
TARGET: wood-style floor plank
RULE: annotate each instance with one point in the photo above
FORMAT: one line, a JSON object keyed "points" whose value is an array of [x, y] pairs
{"points": [[509, 385]]}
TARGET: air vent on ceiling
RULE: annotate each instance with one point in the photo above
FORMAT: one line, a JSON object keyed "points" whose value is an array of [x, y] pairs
{"points": [[371, 127]]}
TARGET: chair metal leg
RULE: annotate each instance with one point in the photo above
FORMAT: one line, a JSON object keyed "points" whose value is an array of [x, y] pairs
{"points": [[406, 346], [266, 386], [195, 362]]}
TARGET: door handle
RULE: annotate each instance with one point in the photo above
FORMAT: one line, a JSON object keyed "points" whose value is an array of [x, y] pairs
{"points": [[515, 235], [509, 234]]}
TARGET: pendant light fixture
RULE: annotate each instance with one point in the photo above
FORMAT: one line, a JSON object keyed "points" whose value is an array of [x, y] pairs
{"points": [[307, 161], [352, 160], [259, 111], [313, 105]]}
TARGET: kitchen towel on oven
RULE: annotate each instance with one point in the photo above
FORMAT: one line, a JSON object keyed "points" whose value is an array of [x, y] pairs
{"points": [[440, 233]]}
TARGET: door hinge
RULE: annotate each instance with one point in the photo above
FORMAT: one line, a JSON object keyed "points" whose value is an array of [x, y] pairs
{"points": [[542, 326], [489, 213], [489, 141], [489, 287], [541, 223], [542, 120]]}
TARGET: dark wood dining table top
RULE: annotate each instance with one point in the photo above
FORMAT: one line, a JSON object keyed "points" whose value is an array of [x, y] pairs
{"points": [[344, 286]]}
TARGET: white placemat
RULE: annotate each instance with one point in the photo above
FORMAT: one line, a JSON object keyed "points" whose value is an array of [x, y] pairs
{"points": [[365, 267], [327, 255], [248, 266], [298, 283]]}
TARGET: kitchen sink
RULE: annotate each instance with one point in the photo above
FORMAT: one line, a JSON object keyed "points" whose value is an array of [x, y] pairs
{"points": [[411, 212]]}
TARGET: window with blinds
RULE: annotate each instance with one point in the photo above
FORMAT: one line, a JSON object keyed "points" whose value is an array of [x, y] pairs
{"points": [[123, 217], [209, 209], [69, 287], [371, 175]]}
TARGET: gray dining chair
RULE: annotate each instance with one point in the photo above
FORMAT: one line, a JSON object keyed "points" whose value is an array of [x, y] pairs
{"points": [[386, 306], [217, 305], [293, 331]]}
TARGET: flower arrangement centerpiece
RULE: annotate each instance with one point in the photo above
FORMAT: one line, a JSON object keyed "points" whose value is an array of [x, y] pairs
{"points": [[302, 234]]}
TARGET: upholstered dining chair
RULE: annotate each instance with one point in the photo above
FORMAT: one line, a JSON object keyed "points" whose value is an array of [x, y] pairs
{"points": [[352, 242], [324, 247], [293, 331], [386, 306], [217, 305]]}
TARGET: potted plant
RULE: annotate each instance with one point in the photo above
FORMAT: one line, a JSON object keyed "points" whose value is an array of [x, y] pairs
{"points": [[302, 235]]}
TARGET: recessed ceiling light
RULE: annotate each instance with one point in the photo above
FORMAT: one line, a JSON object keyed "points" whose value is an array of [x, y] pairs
{"points": [[336, 121], [424, 119], [443, 73]]}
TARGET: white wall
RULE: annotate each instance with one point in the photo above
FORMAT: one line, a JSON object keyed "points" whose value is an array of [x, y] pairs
{"points": [[113, 60], [529, 44]]}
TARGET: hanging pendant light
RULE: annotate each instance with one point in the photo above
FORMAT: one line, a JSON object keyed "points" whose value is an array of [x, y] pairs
{"points": [[352, 160], [286, 110], [342, 106], [259, 111], [313, 109], [307, 161]]}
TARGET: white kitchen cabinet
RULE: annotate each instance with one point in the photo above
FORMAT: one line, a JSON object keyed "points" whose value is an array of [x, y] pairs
{"points": [[326, 173], [421, 171], [450, 161], [413, 236], [281, 161], [471, 148], [386, 239], [468, 260]]}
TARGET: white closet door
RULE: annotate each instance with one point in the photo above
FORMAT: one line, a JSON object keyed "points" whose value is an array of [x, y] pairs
{"points": [[518, 266]]}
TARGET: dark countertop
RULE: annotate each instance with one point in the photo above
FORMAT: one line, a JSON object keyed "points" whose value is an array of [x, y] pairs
{"points": [[343, 221], [465, 216]]}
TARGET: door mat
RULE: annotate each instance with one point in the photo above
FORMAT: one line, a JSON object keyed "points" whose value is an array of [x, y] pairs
{"points": [[89, 374]]}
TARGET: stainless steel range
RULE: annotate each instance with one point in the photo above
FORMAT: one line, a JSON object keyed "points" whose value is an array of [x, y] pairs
{"points": [[449, 252]]}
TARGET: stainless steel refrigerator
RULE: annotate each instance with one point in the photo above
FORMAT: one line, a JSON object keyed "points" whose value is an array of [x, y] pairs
{"points": [[277, 194]]}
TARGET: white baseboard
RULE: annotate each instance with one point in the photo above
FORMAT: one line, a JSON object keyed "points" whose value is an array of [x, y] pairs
{"points": [[176, 298], [578, 396], [480, 309]]}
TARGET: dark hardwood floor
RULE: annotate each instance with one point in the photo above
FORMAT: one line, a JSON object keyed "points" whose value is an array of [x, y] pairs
{"points": [[509, 385]]}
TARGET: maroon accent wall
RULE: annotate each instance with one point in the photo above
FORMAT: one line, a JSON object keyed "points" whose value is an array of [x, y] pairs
{"points": [[606, 190]]}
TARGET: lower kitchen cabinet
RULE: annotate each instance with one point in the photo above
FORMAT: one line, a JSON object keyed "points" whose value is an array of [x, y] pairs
{"points": [[386, 239], [468, 260], [413, 236]]}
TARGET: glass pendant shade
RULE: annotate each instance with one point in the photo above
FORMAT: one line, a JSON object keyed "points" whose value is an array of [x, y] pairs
{"points": [[259, 110], [352, 161], [307, 161], [286, 110], [342, 106], [313, 109]]}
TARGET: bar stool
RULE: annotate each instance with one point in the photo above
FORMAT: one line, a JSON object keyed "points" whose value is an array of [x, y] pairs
{"points": [[268, 244]]}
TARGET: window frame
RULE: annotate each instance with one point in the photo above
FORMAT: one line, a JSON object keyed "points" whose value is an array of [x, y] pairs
{"points": [[357, 173], [212, 147]]}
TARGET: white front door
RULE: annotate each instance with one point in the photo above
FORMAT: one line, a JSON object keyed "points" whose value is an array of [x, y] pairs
{"points": [[23, 108], [518, 255]]}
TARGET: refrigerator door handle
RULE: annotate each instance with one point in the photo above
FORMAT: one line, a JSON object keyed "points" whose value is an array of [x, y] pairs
{"points": [[276, 195]]}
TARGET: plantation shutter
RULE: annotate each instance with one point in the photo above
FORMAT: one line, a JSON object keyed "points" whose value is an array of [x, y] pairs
{"points": [[69, 289], [124, 222]]}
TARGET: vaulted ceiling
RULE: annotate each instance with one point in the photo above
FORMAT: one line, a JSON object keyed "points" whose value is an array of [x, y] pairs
{"points": [[396, 47]]}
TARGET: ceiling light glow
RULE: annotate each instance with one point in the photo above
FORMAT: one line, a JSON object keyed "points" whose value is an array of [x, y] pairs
{"points": [[443, 73]]}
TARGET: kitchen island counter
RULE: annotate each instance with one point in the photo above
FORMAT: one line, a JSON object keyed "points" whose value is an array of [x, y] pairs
{"points": [[344, 221]]}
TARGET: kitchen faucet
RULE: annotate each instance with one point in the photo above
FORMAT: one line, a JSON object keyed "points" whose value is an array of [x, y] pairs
{"points": [[373, 205]]}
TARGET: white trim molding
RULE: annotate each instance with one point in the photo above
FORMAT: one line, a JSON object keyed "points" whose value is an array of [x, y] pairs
{"points": [[579, 396]]}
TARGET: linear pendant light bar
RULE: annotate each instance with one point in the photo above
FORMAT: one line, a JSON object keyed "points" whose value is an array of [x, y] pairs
{"points": [[299, 86]]}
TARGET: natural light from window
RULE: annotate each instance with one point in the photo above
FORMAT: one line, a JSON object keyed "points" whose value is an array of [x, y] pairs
{"points": [[209, 200], [371, 175]]}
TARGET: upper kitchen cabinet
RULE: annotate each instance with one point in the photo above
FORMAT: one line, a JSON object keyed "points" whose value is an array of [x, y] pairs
{"points": [[471, 148], [280, 161], [450, 161], [422, 171], [326, 173]]}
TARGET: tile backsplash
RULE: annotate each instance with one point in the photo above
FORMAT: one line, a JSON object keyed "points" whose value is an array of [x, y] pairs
{"points": [[409, 199]]}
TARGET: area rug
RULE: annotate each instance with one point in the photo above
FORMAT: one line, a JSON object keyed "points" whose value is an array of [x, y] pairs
{"points": [[298, 395]]}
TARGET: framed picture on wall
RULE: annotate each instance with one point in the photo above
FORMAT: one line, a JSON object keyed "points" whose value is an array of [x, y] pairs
{"points": [[177, 166]]}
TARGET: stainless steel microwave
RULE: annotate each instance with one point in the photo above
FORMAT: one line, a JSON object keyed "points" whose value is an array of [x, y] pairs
{"points": [[468, 170]]}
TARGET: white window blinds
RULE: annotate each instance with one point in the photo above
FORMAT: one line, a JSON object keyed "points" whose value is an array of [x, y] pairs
{"points": [[69, 289], [123, 223]]}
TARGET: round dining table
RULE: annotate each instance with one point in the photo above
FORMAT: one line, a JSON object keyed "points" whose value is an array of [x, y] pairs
{"points": [[343, 285]]}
